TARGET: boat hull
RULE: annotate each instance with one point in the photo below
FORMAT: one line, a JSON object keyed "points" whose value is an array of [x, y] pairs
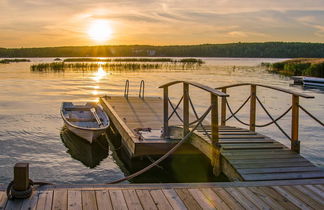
{"points": [[89, 135]]}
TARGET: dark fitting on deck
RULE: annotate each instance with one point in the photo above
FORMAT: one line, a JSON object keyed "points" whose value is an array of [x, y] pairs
{"points": [[20, 187]]}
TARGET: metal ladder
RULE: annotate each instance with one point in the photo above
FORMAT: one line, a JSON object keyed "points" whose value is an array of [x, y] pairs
{"points": [[141, 89]]}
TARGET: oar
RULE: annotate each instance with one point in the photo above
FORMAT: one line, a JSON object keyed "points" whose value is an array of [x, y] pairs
{"points": [[93, 111]]}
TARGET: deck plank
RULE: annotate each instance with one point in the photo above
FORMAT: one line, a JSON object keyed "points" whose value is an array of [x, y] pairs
{"points": [[60, 200], [74, 200], [89, 200], [310, 193], [267, 199], [174, 199], [281, 200], [132, 201], [187, 199], [117, 200], [303, 197], [160, 200], [258, 202], [214, 199], [30, 203], [3, 200], [201, 199], [45, 199], [103, 200], [228, 199], [283, 176], [146, 199], [292, 198], [247, 204]]}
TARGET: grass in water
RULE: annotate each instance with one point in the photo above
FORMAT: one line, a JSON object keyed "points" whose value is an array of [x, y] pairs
{"points": [[6, 61], [62, 66]]}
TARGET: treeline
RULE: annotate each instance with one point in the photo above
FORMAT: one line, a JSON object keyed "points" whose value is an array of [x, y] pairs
{"points": [[261, 50]]}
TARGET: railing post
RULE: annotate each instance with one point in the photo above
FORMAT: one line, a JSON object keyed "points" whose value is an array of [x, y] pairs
{"points": [[295, 143], [214, 133], [223, 109], [185, 108], [166, 112], [253, 107]]}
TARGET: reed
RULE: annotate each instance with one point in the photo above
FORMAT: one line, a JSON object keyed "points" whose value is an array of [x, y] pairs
{"points": [[6, 61], [84, 66], [299, 67]]}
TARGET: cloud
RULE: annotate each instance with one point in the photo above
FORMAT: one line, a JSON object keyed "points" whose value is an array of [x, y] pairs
{"points": [[61, 22]]}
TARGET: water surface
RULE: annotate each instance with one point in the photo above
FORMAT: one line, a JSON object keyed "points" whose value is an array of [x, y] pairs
{"points": [[31, 126]]}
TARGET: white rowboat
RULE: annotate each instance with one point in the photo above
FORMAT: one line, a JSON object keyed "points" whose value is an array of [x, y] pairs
{"points": [[87, 121]]}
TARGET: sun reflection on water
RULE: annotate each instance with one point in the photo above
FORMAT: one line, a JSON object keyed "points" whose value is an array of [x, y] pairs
{"points": [[100, 74]]}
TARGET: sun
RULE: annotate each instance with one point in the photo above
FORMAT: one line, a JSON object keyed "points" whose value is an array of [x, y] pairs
{"points": [[100, 30]]}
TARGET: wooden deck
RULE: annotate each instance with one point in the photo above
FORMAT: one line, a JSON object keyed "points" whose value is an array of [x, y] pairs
{"points": [[245, 155], [258, 195]]}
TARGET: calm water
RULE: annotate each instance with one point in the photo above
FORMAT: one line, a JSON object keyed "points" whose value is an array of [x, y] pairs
{"points": [[31, 126]]}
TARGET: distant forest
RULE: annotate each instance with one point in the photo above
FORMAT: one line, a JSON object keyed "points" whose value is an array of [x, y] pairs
{"points": [[255, 50]]}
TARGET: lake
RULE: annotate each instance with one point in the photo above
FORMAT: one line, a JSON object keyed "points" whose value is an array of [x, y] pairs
{"points": [[31, 126]]}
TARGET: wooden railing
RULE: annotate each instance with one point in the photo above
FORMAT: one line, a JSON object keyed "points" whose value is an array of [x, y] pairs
{"points": [[187, 102], [295, 143]]}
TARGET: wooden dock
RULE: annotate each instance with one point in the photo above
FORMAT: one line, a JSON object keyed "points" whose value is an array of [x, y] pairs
{"points": [[241, 154], [256, 195]]}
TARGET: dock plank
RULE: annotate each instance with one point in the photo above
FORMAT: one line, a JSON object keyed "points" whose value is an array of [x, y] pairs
{"points": [[117, 199], [60, 200], [228, 199], [30, 203], [3, 200], [89, 200], [160, 200], [174, 199], [214, 199], [292, 198], [247, 204], [201, 199], [187, 199], [45, 200], [74, 200], [146, 199], [103, 200], [132, 201]]}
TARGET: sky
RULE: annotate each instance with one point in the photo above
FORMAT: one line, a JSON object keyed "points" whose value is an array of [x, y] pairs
{"points": [[41, 23]]}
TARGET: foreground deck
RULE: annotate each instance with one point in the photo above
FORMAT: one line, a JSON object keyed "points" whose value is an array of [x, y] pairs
{"points": [[257, 195], [245, 155]]}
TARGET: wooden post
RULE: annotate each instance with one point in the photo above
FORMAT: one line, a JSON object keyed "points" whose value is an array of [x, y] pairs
{"points": [[165, 112], [295, 143], [21, 176], [223, 109], [185, 109], [215, 138], [253, 108]]}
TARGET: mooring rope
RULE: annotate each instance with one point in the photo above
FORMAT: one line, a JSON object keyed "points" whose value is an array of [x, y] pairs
{"points": [[312, 116], [166, 154]]}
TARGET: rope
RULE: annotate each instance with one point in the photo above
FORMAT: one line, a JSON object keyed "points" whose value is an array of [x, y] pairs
{"points": [[12, 193], [312, 116], [233, 114], [175, 109], [281, 116], [197, 118], [166, 154], [238, 108], [269, 115]]}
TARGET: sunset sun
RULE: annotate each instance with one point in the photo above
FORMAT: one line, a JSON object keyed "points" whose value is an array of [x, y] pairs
{"points": [[100, 30]]}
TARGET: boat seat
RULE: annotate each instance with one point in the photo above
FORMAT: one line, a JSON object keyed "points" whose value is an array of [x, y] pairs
{"points": [[81, 120]]}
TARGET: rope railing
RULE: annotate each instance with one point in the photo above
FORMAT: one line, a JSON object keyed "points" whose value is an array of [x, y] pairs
{"points": [[233, 114], [312, 116], [269, 115]]}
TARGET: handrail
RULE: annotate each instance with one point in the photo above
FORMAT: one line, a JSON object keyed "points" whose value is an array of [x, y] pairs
{"points": [[270, 87], [198, 85]]}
